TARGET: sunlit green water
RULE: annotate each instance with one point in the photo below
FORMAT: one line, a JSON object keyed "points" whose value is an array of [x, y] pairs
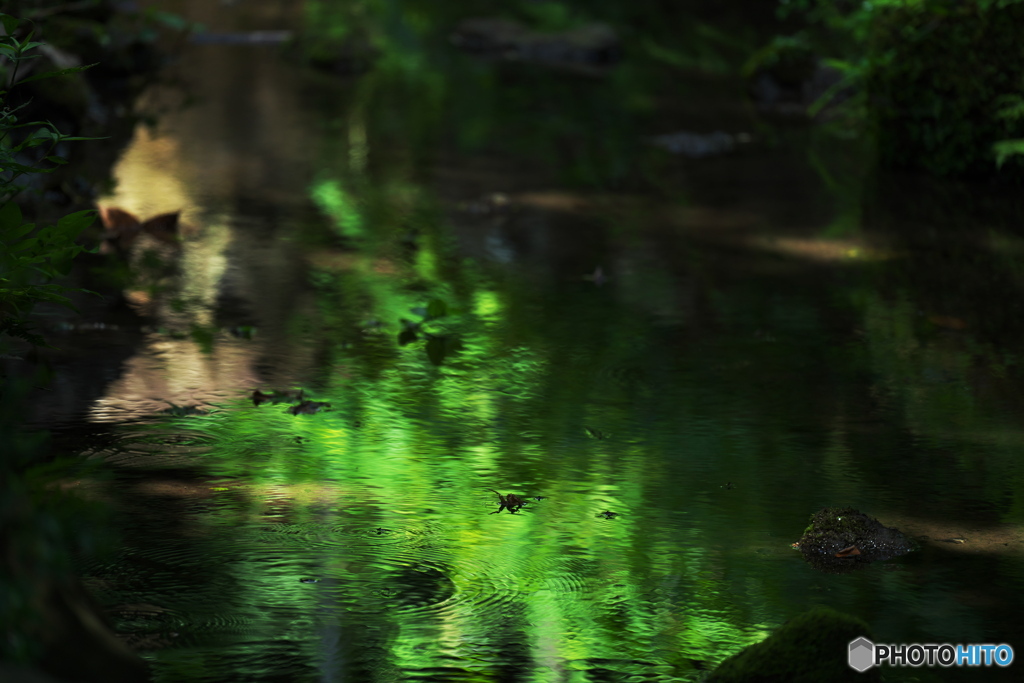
{"points": [[750, 358]]}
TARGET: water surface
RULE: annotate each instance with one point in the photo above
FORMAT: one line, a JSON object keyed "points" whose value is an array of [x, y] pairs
{"points": [[499, 285]]}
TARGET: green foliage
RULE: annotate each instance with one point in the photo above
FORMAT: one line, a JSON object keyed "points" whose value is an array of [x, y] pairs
{"points": [[30, 258], [13, 161], [947, 69], [441, 342], [938, 81], [790, 57], [1011, 110], [1004, 149]]}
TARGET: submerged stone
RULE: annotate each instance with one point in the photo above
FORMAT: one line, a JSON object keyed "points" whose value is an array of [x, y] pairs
{"points": [[810, 648], [840, 540], [588, 48]]}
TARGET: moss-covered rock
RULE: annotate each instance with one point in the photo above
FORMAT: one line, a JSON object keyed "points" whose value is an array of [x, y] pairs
{"points": [[809, 648], [840, 540]]}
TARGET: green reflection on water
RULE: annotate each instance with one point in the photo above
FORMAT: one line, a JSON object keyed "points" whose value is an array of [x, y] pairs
{"points": [[384, 499]]}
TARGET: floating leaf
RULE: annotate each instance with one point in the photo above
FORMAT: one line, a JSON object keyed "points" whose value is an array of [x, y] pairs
{"points": [[308, 408]]}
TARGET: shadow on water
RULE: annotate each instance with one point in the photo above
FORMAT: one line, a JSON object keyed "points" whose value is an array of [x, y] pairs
{"points": [[492, 281]]}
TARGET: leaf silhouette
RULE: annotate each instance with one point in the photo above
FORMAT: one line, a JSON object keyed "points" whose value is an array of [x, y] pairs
{"points": [[436, 350]]}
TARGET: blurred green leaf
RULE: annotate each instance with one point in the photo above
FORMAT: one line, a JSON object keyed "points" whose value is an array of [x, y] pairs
{"points": [[54, 74], [1011, 107], [10, 23], [74, 223], [1004, 149]]}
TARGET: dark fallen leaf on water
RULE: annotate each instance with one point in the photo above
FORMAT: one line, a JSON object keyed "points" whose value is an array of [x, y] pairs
{"points": [[183, 411], [848, 552], [511, 502], [275, 397], [308, 408], [608, 515]]}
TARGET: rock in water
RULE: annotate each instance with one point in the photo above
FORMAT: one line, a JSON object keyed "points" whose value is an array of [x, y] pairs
{"points": [[588, 48], [810, 648], [840, 540]]}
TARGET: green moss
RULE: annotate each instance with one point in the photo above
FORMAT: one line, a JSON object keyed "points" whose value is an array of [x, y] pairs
{"points": [[809, 648], [838, 523]]}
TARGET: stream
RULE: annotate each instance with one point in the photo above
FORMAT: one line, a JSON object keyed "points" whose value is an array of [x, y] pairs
{"points": [[497, 279]]}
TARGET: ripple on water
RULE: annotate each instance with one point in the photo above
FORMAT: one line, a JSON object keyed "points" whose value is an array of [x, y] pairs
{"points": [[154, 449], [412, 586], [410, 569], [311, 536]]}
